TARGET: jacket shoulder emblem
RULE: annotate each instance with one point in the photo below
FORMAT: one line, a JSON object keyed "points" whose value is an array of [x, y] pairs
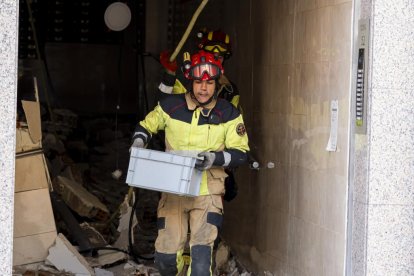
{"points": [[241, 129]]}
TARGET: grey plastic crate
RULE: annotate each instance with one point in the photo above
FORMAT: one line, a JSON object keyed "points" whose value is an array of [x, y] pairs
{"points": [[164, 172]]}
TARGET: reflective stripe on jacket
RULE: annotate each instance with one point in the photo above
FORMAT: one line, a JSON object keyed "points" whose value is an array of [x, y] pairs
{"points": [[190, 128]]}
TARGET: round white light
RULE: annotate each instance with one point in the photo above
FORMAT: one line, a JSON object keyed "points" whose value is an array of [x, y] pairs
{"points": [[117, 16]]}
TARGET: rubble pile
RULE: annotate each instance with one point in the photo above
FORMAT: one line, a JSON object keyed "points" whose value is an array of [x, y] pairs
{"points": [[225, 263], [65, 169], [74, 213]]}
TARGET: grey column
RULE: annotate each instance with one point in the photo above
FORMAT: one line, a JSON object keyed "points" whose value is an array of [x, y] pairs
{"points": [[8, 88], [383, 190]]}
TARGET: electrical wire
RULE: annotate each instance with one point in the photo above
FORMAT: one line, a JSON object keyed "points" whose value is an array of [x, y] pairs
{"points": [[151, 55], [130, 252], [131, 249], [94, 250], [118, 103]]}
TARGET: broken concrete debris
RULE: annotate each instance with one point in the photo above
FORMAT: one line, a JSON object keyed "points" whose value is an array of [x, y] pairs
{"points": [[80, 176], [125, 211], [52, 143], [65, 257], [108, 257], [102, 272], [75, 159], [95, 237], [38, 269], [222, 255], [80, 200], [72, 172], [65, 117]]}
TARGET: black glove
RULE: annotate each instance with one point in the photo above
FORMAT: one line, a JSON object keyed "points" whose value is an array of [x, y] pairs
{"points": [[206, 162]]}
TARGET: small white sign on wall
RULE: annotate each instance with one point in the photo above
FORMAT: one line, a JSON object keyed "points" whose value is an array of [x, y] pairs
{"points": [[333, 136]]}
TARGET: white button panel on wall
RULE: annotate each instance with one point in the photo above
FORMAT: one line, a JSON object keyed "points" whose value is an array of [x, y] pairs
{"points": [[361, 78]]}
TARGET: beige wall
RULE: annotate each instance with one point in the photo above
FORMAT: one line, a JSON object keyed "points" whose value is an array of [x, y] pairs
{"points": [[291, 59]]}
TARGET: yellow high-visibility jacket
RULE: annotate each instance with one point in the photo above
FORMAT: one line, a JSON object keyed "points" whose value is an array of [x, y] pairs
{"points": [[191, 128]]}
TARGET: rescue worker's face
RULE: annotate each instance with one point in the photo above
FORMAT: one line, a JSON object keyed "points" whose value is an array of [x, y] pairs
{"points": [[203, 90]]}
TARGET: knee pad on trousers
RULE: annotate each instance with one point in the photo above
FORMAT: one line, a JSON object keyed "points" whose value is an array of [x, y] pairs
{"points": [[166, 263], [200, 260]]}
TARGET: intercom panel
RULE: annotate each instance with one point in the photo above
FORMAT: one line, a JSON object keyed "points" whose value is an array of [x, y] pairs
{"points": [[360, 82]]}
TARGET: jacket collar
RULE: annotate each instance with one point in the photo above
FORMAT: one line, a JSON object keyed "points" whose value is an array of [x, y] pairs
{"points": [[192, 104]]}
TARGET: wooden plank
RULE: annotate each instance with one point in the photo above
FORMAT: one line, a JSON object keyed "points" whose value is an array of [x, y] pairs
{"points": [[33, 213], [31, 173], [32, 112], [32, 249], [81, 200], [24, 142]]}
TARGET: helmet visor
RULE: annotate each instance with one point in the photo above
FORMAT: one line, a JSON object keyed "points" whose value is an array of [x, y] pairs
{"points": [[205, 71], [216, 48]]}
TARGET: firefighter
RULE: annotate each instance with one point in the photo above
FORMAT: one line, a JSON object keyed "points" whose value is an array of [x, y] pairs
{"points": [[215, 42], [218, 43], [196, 123]]}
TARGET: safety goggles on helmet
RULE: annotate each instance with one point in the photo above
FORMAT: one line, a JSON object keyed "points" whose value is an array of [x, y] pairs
{"points": [[202, 66], [216, 42], [205, 71], [215, 48]]}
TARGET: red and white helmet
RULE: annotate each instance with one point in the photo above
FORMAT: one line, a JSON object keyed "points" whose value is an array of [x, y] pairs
{"points": [[203, 66]]}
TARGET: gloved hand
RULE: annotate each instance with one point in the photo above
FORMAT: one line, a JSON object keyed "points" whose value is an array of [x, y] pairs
{"points": [[207, 162], [138, 143], [171, 67]]}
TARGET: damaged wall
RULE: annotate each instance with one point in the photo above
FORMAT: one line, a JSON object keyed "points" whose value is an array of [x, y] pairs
{"points": [[292, 58]]}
